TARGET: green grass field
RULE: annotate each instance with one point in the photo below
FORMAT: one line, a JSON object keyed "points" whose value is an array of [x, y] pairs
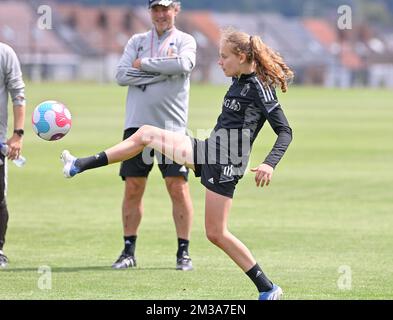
{"points": [[330, 205]]}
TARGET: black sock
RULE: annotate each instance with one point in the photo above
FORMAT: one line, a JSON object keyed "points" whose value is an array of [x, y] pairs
{"points": [[260, 280], [129, 245], [99, 160], [182, 247]]}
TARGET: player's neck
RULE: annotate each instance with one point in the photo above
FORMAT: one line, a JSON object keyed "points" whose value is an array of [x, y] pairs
{"points": [[246, 68]]}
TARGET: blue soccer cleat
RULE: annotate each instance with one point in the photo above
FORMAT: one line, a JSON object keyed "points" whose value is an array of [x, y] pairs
{"points": [[69, 168], [274, 294]]}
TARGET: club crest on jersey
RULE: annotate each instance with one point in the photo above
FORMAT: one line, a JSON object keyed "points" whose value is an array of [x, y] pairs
{"points": [[232, 104], [245, 90]]}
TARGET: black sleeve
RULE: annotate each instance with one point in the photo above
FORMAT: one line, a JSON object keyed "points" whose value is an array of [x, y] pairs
{"points": [[280, 125], [274, 114], [276, 117]]}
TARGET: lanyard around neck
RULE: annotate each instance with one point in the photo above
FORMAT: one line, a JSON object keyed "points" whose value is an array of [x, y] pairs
{"points": [[162, 45]]}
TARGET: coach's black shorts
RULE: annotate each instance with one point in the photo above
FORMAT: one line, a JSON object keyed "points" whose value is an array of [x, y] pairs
{"points": [[139, 167], [219, 178]]}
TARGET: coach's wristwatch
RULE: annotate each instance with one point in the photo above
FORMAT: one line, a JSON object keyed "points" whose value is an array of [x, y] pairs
{"points": [[19, 132]]}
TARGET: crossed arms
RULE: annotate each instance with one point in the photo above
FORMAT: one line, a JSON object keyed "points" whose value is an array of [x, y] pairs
{"points": [[134, 71]]}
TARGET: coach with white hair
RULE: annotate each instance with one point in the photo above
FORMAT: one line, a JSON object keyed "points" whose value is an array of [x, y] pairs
{"points": [[156, 67]]}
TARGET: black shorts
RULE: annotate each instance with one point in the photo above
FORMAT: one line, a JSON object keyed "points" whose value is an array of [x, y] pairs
{"points": [[141, 165], [219, 178]]}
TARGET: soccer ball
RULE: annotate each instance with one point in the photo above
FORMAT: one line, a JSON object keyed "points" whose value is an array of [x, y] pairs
{"points": [[51, 120]]}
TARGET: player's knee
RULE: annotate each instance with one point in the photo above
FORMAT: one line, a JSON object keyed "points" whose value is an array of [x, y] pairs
{"points": [[134, 190], [3, 205], [177, 188], [146, 133], [214, 236]]}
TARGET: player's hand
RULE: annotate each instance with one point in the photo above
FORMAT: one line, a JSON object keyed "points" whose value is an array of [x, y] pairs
{"points": [[137, 64], [263, 174], [14, 147]]}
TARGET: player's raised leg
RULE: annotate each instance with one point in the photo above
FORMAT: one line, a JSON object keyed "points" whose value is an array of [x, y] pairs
{"points": [[175, 146]]}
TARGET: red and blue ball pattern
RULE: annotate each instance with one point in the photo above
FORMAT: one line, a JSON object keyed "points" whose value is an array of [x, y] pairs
{"points": [[51, 120]]}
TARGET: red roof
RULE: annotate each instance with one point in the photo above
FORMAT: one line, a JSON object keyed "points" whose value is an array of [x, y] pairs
{"points": [[109, 38], [203, 22], [322, 30], [19, 29], [327, 35]]}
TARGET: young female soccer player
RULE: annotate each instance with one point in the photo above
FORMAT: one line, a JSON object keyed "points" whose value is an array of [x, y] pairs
{"points": [[221, 159]]}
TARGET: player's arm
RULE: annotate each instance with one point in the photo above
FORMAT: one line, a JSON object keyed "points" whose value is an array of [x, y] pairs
{"points": [[127, 75], [181, 63], [279, 123], [16, 88]]}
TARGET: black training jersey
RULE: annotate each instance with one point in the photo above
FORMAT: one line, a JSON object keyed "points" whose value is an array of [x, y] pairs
{"points": [[246, 107]]}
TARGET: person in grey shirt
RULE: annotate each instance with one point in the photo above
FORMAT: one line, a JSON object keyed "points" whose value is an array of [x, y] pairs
{"points": [[11, 83], [156, 67]]}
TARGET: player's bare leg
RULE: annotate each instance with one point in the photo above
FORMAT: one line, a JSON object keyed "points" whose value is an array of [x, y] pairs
{"points": [[175, 146]]}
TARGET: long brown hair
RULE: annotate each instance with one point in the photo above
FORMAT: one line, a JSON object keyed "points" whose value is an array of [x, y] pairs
{"points": [[270, 66]]}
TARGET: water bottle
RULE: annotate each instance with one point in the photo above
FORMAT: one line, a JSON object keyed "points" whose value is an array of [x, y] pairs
{"points": [[172, 49], [20, 162]]}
